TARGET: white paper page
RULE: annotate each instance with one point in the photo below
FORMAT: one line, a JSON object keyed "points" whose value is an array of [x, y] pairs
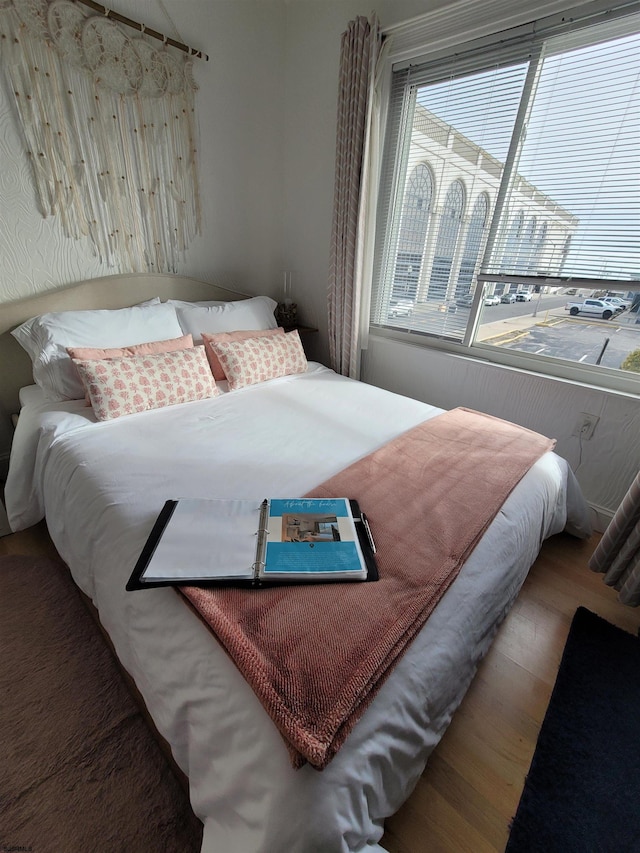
{"points": [[207, 538]]}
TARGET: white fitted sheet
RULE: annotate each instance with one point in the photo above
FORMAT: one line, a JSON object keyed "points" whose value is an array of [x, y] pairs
{"points": [[101, 486]]}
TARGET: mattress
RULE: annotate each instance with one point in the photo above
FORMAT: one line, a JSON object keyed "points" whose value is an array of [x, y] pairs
{"points": [[101, 485]]}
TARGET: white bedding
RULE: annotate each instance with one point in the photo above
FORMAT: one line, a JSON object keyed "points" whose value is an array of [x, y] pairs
{"points": [[101, 486]]}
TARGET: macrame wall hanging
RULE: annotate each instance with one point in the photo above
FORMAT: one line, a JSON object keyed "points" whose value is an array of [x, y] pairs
{"points": [[109, 128]]}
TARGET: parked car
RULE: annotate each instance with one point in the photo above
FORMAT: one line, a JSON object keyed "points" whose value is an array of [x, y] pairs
{"points": [[596, 307], [623, 304], [465, 301], [508, 298], [523, 296], [400, 308], [492, 300]]}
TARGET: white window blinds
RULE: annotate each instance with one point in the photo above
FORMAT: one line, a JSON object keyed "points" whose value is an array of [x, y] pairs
{"points": [[576, 174], [510, 162]]}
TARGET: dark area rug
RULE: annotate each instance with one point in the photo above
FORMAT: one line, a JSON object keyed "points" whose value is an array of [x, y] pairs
{"points": [[80, 769], [582, 793]]}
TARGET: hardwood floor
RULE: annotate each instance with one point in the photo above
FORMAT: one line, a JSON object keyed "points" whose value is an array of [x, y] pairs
{"points": [[472, 784]]}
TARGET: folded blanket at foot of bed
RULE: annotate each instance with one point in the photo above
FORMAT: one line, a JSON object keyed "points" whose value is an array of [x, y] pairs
{"points": [[316, 655]]}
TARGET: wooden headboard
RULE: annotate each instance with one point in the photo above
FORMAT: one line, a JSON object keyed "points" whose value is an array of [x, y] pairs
{"points": [[114, 291]]}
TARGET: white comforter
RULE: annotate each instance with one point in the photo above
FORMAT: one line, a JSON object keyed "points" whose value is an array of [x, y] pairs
{"points": [[101, 486]]}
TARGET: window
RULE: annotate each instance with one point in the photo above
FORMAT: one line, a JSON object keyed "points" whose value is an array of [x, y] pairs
{"points": [[416, 210], [512, 167], [471, 251], [446, 242]]}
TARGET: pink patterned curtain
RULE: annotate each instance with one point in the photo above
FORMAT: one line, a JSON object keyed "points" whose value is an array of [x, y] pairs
{"points": [[617, 555], [360, 45]]}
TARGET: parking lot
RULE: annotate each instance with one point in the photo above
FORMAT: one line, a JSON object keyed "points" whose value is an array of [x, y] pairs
{"points": [[541, 326], [577, 339]]}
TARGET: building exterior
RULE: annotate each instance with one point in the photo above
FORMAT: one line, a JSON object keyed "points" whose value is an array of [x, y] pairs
{"points": [[449, 198]]}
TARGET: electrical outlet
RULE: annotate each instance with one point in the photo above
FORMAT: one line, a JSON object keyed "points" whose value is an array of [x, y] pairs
{"points": [[585, 426]]}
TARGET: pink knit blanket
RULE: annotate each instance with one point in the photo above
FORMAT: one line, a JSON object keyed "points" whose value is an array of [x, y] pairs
{"points": [[316, 655]]}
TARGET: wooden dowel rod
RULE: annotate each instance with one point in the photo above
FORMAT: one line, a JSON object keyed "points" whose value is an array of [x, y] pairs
{"points": [[121, 19]]}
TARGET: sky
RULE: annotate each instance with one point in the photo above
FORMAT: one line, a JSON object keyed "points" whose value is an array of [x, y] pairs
{"points": [[581, 146]]}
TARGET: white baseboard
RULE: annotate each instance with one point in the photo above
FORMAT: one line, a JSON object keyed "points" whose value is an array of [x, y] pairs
{"points": [[600, 517]]}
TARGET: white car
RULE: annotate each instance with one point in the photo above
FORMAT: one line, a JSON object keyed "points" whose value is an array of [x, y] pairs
{"points": [[623, 304], [599, 307], [465, 301], [523, 296], [400, 308], [492, 300]]}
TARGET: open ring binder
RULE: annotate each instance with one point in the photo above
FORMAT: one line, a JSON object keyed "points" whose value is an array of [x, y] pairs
{"points": [[200, 542]]}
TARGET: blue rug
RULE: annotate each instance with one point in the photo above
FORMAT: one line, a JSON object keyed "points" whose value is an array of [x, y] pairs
{"points": [[582, 793]]}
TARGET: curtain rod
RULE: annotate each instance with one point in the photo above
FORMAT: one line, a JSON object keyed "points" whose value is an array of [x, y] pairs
{"points": [[116, 16]]}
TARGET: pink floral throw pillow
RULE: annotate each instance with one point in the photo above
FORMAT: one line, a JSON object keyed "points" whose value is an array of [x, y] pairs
{"points": [[122, 386], [90, 353], [222, 337], [255, 360]]}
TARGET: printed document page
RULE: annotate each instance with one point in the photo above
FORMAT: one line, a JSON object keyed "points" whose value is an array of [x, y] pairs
{"points": [[312, 538]]}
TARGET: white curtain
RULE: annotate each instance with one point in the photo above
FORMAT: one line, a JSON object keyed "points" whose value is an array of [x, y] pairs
{"points": [[359, 54], [617, 555], [108, 126]]}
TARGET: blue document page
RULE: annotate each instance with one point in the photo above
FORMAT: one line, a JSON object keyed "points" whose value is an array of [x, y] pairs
{"points": [[314, 537]]}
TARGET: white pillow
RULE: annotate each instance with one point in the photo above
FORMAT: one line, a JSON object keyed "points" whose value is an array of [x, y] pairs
{"points": [[47, 337], [183, 304], [254, 314], [30, 334]]}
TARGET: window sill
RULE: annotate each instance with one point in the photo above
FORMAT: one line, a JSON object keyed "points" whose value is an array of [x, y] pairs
{"points": [[548, 367]]}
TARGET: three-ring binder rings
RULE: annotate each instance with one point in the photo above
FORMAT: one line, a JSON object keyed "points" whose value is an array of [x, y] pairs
{"points": [[292, 540]]}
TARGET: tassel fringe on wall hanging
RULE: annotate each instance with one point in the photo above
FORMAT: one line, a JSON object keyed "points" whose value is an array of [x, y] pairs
{"points": [[109, 128]]}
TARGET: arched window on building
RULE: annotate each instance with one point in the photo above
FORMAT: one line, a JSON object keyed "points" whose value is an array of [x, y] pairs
{"points": [[527, 252], [512, 244], [565, 252], [446, 242], [472, 244], [538, 264], [531, 228], [416, 210]]}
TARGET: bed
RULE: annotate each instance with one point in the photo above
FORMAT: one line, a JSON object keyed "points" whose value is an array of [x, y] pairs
{"points": [[100, 486]]}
